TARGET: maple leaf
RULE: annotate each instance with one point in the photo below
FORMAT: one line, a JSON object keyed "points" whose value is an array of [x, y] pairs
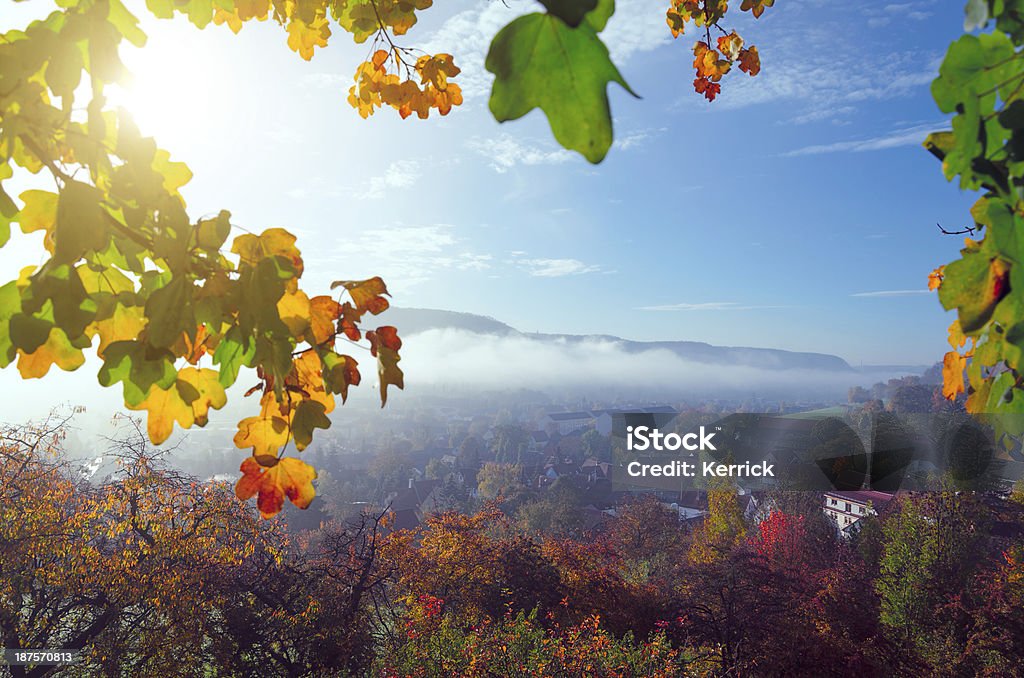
{"points": [[750, 61], [294, 308], [707, 88], [367, 295], [730, 45], [267, 432], [756, 7], [386, 336], [935, 278], [676, 21], [388, 372], [323, 312], [708, 64], [303, 37], [288, 477], [957, 338], [273, 242], [187, 401], [953, 365], [539, 62], [56, 350]]}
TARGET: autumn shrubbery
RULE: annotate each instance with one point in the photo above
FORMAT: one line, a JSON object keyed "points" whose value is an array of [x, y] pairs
{"points": [[150, 572]]}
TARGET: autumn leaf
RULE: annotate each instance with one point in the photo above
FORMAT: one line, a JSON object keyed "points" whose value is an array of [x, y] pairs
{"points": [[957, 338], [709, 89], [303, 37], [294, 309], [323, 312], [750, 61], [267, 432], [953, 365], [386, 336], [730, 45], [288, 477], [57, 350], [756, 7], [708, 64], [187, 401], [367, 295], [935, 278], [278, 242], [388, 372]]}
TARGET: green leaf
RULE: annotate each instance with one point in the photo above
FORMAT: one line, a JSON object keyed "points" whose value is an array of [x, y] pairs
{"points": [[10, 303], [571, 12], [81, 225], [138, 367], [231, 354], [309, 415], [29, 333], [973, 285], [598, 18], [540, 62], [169, 310]]}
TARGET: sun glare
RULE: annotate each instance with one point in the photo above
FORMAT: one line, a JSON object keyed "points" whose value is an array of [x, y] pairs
{"points": [[171, 93]]}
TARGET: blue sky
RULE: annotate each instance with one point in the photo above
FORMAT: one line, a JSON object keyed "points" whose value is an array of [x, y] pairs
{"points": [[797, 211]]}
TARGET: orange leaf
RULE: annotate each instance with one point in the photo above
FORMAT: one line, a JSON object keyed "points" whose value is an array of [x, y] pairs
{"points": [[750, 61], [289, 477]]}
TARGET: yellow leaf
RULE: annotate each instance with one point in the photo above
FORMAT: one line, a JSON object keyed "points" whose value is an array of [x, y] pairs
{"points": [[56, 351], [268, 432], [956, 335], [307, 375], [175, 174], [252, 249], [187, 402], [294, 309], [303, 37], [125, 323], [323, 313], [953, 374]]}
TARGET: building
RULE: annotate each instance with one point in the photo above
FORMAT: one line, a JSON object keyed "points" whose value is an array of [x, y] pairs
{"points": [[845, 507], [567, 422]]}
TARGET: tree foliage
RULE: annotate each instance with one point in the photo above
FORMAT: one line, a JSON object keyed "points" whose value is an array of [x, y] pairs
{"points": [[980, 82]]}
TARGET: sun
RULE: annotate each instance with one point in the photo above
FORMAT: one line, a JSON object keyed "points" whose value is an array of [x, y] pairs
{"points": [[172, 92]]}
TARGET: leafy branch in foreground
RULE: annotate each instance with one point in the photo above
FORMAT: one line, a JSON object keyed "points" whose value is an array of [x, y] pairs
{"points": [[174, 310], [981, 82]]}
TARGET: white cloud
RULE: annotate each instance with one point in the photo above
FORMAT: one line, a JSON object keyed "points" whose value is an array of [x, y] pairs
{"points": [[890, 293], [556, 268], [487, 362], [704, 306], [326, 81], [407, 255], [505, 152], [824, 73], [399, 174], [910, 136]]}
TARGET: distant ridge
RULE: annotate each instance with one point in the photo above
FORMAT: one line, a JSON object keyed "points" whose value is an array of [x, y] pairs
{"points": [[412, 321]]}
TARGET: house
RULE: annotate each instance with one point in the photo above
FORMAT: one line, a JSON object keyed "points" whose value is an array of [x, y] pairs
{"points": [[567, 422], [413, 504], [846, 507], [604, 419]]}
